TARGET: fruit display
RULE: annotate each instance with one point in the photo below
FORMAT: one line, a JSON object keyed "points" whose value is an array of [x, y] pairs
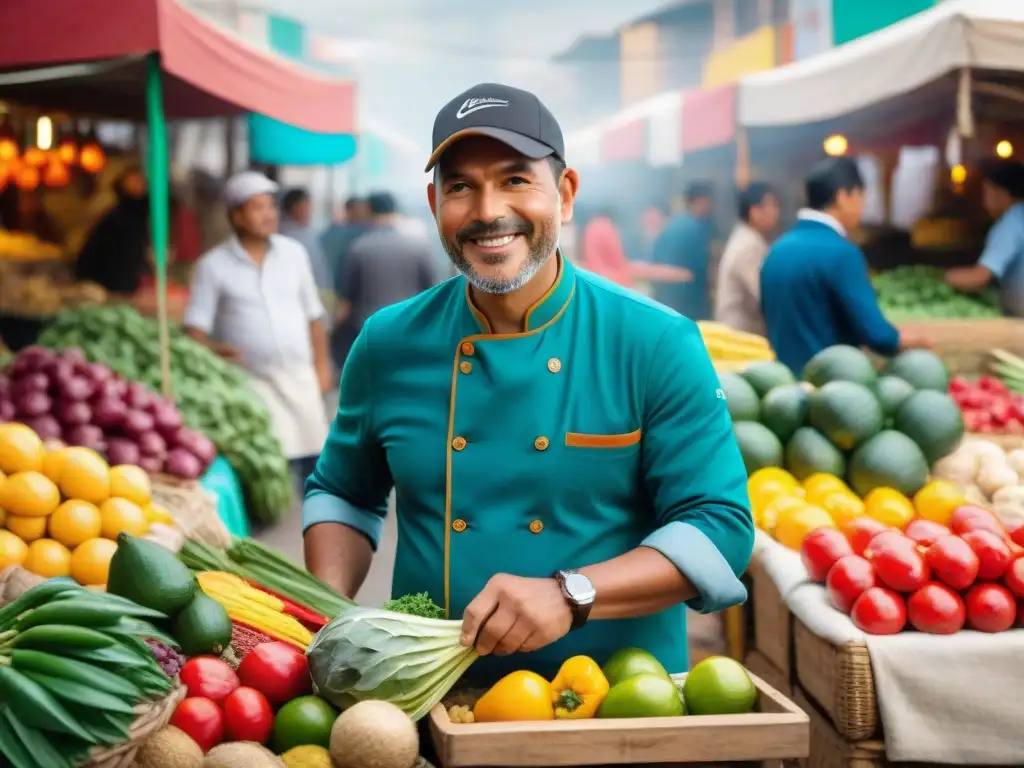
{"points": [[64, 397], [1010, 370], [988, 405], [938, 576], [845, 419], [920, 293], [254, 608], [989, 475], [214, 397], [731, 349]]}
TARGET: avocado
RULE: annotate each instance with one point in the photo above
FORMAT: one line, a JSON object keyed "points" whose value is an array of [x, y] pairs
{"points": [[892, 391], [759, 447], [642, 696], [809, 452], [932, 420], [921, 369], [846, 413], [840, 363], [150, 575], [890, 459], [765, 375], [202, 626], [740, 397], [784, 410]]}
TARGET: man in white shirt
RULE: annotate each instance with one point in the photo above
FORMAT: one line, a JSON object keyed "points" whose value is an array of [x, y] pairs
{"points": [[738, 303], [255, 302]]}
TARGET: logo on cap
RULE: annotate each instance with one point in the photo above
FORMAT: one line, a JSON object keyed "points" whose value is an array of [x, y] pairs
{"points": [[469, 106]]}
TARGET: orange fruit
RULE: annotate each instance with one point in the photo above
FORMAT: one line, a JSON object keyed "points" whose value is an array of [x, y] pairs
{"points": [[48, 558], [90, 562], [21, 450], [75, 521], [30, 494], [117, 515], [27, 528], [844, 507], [132, 483], [12, 550], [156, 513], [85, 475], [795, 524], [3, 517], [937, 500], [889, 506], [53, 464]]}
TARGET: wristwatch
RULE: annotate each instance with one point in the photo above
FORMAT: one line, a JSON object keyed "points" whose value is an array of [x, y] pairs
{"points": [[580, 593]]}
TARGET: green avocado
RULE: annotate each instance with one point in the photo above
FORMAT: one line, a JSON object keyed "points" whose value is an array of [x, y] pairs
{"points": [[150, 575], [202, 626], [642, 696]]}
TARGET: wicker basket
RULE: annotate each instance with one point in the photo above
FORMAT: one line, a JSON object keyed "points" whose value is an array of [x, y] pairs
{"points": [[16, 581], [965, 345], [151, 717], [829, 749], [773, 623], [194, 509]]}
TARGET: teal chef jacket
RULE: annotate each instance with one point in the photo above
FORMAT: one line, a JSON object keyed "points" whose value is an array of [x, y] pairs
{"points": [[599, 428]]}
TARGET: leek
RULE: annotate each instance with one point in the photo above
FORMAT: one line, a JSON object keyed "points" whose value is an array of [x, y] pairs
{"points": [[374, 654]]}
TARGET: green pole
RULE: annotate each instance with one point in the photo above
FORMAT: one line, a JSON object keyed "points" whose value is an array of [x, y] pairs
{"points": [[159, 204]]}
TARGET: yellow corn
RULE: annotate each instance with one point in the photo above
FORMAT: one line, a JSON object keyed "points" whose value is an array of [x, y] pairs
{"points": [[718, 330], [229, 584], [726, 350], [254, 607]]}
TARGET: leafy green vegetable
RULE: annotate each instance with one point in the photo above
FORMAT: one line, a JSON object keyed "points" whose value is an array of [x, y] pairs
{"points": [[371, 653], [415, 605]]}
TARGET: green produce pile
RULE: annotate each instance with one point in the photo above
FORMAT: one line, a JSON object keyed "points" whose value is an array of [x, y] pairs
{"points": [[921, 293], [845, 419], [73, 665], [213, 396], [418, 604]]}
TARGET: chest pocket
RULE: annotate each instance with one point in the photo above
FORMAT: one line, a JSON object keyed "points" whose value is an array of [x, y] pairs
{"points": [[604, 465], [607, 444]]}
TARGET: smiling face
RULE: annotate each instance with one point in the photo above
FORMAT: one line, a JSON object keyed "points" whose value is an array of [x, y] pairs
{"points": [[498, 213]]}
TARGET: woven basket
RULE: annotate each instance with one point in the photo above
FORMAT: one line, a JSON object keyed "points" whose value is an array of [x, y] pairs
{"points": [[16, 581], [829, 749], [965, 345], [151, 717], [194, 509]]}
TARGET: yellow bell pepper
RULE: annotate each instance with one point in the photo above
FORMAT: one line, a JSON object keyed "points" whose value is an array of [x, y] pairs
{"points": [[517, 696], [578, 689]]}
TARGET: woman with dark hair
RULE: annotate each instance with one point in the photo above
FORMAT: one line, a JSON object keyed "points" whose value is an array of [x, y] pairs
{"points": [[114, 254]]}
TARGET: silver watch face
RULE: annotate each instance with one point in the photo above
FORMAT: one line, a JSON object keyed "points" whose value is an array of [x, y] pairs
{"points": [[579, 588]]}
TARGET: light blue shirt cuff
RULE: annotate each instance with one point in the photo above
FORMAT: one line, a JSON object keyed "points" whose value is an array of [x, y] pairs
{"points": [[325, 508], [699, 560]]}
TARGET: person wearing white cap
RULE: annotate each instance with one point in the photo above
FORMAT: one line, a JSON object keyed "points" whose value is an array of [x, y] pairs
{"points": [[254, 301]]}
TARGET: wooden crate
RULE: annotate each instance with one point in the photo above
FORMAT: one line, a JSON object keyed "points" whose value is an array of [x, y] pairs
{"points": [[773, 623], [759, 664], [839, 680], [829, 749], [778, 731], [965, 344]]}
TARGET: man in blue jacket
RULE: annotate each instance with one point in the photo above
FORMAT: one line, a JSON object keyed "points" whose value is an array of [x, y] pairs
{"points": [[815, 289]]}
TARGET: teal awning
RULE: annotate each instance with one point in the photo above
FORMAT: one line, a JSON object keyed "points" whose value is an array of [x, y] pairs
{"points": [[276, 143]]}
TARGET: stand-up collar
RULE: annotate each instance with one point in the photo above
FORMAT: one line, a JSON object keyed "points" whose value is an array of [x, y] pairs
{"points": [[545, 310]]}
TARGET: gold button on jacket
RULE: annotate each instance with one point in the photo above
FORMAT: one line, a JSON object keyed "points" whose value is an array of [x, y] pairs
{"points": [[541, 443], [459, 525], [536, 526], [465, 366], [459, 443]]}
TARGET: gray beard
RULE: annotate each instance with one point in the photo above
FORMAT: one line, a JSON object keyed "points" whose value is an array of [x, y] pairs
{"points": [[497, 286]]}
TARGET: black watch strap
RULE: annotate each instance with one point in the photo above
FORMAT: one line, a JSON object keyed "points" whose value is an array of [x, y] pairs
{"points": [[580, 608]]}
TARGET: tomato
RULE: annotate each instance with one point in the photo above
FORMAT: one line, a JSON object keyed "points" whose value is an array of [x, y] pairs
{"points": [[209, 677], [890, 539], [1014, 577], [936, 609], [861, 531], [879, 611], [900, 568], [277, 670], [958, 384], [821, 549], [971, 517], [990, 608], [848, 579], [953, 561], [925, 532], [248, 716], [202, 720], [1017, 535], [993, 554]]}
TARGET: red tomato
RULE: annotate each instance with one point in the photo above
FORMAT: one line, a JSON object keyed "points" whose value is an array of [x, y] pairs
{"points": [[1014, 577], [958, 384], [201, 719], [936, 609], [889, 540], [993, 554], [879, 611], [209, 677], [821, 549], [971, 517], [1017, 535], [277, 670], [990, 608], [248, 716], [1020, 613], [925, 532], [900, 568], [847, 580], [861, 531], [953, 561]]}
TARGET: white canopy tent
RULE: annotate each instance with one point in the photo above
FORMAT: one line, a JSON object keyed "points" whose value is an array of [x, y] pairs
{"points": [[956, 35]]}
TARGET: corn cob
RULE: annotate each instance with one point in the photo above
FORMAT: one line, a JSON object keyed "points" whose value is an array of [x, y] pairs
{"points": [[254, 607]]}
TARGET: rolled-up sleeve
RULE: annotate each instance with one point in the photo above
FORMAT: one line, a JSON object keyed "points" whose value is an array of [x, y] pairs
{"points": [[693, 472], [201, 312], [352, 481]]}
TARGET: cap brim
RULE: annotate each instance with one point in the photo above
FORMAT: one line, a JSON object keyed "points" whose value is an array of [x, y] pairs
{"points": [[524, 145]]}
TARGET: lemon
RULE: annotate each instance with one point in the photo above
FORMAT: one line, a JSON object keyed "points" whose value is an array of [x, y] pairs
{"points": [[75, 521], [844, 506], [132, 483], [820, 484], [21, 450], [768, 518], [117, 515], [27, 528], [48, 558], [29, 494], [84, 475], [12, 550], [795, 524], [889, 506], [90, 562], [937, 500]]}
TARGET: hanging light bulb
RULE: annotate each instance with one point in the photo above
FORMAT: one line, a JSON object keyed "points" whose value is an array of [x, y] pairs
{"points": [[835, 145], [1004, 149], [91, 156], [44, 133], [35, 157], [67, 146], [56, 173], [28, 178], [8, 141], [958, 174]]}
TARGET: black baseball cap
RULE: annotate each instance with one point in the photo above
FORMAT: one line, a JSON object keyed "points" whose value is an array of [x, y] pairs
{"points": [[510, 115]]}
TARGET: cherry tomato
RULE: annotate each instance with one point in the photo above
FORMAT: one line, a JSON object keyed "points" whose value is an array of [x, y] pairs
{"points": [[248, 716], [277, 670], [993, 554], [953, 561], [861, 531], [990, 608], [971, 517], [821, 549], [925, 532], [1014, 578], [1017, 535], [209, 677], [848, 579], [202, 720], [900, 568], [936, 609], [879, 611]]}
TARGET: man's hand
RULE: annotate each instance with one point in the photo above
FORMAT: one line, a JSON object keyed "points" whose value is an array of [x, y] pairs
{"points": [[516, 614], [227, 351], [913, 340], [325, 376]]}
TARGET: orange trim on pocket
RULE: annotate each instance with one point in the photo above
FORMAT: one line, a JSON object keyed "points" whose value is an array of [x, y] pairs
{"points": [[580, 440]]}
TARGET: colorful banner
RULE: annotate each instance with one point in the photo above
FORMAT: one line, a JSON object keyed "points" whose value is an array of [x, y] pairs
{"points": [[709, 118], [812, 27], [286, 36], [754, 53], [855, 18]]}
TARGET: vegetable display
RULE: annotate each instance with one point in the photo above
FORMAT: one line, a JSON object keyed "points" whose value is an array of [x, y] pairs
{"points": [[920, 292], [990, 476], [988, 405], [731, 349], [214, 397], [1010, 370]]}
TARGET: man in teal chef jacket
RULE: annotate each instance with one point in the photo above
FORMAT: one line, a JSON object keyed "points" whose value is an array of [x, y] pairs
{"points": [[563, 459]]}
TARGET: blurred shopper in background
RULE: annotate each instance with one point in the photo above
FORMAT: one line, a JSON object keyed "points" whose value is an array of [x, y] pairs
{"points": [[339, 236], [1002, 261], [601, 249], [815, 289], [386, 265], [738, 298], [297, 223], [254, 301], [685, 243]]}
